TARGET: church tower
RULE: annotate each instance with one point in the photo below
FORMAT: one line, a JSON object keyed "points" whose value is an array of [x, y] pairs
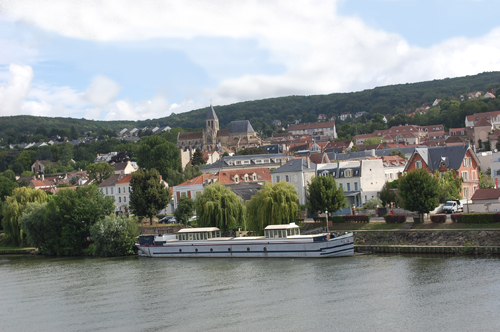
{"points": [[210, 133]]}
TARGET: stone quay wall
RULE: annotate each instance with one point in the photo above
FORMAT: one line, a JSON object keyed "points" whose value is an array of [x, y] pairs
{"points": [[428, 241]]}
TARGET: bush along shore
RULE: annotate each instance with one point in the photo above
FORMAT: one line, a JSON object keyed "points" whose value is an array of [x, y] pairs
{"points": [[428, 241]]}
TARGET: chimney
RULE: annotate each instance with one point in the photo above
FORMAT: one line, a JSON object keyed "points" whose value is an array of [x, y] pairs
{"points": [[43, 177], [308, 160]]}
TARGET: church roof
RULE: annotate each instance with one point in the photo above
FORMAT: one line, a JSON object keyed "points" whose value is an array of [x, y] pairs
{"points": [[190, 135], [211, 114], [243, 126]]}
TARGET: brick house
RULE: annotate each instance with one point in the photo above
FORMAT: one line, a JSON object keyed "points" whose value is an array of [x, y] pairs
{"points": [[460, 158]]}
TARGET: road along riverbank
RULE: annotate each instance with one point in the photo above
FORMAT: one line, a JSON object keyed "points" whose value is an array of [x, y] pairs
{"points": [[452, 241]]}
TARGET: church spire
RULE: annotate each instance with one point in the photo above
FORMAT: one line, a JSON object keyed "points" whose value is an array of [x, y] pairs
{"points": [[211, 114]]}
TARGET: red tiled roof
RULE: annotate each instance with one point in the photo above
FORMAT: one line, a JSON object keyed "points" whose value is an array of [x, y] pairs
{"points": [[126, 179], [486, 194]]}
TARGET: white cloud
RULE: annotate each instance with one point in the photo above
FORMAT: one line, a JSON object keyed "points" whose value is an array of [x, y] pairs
{"points": [[158, 107], [15, 90], [101, 91], [321, 51]]}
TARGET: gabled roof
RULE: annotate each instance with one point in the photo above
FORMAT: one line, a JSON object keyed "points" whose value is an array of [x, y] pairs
{"points": [[483, 123], [486, 194], [295, 165], [191, 135], [120, 166], [126, 179], [242, 126], [110, 181], [451, 156]]}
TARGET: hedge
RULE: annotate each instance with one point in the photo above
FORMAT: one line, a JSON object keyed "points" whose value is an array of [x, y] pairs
{"points": [[395, 218], [337, 219], [456, 217], [438, 218], [478, 218]]}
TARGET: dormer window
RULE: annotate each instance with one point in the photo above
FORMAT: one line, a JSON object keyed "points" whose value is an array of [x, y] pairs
{"points": [[236, 178], [254, 177], [246, 177], [324, 173]]}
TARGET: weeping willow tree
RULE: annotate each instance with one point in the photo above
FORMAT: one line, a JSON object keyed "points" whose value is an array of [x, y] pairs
{"points": [[219, 207], [274, 204], [13, 209]]}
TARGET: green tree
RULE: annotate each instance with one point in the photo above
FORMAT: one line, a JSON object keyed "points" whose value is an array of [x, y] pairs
{"points": [[99, 171], [197, 158], [6, 187], [26, 159], [10, 175], [388, 195], [450, 185], [114, 236], [13, 209], [324, 194], [419, 191], [397, 153], [66, 153], [155, 152], [274, 204], [485, 182], [219, 207], [184, 210], [32, 224], [373, 140], [70, 215], [149, 193]]}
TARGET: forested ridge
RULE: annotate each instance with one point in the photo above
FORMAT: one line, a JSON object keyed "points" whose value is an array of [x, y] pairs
{"points": [[387, 100]]}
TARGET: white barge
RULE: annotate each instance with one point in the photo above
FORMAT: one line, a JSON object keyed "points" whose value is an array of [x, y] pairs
{"points": [[278, 241]]}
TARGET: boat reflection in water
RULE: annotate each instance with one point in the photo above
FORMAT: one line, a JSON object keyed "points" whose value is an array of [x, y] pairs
{"points": [[278, 241]]}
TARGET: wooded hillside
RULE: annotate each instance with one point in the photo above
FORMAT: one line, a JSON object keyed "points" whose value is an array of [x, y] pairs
{"points": [[387, 100]]}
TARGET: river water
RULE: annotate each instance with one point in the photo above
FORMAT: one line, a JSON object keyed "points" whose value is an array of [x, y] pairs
{"points": [[361, 293]]}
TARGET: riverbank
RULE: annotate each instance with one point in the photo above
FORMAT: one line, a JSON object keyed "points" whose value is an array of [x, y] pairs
{"points": [[450, 241]]}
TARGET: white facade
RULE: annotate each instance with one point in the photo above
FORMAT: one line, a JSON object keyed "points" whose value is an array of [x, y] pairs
{"points": [[495, 167], [298, 173], [360, 180]]}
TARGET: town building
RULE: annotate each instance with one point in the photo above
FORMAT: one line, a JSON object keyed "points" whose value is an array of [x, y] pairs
{"points": [[243, 182], [460, 158], [360, 180], [298, 172], [239, 136], [246, 161], [314, 129]]}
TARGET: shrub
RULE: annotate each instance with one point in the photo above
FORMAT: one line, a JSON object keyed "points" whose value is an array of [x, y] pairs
{"points": [[456, 217], [114, 236], [478, 218], [357, 218], [372, 203], [438, 218], [395, 218]]}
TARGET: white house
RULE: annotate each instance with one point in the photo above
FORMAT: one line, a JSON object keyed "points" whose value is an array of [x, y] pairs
{"points": [[298, 172], [361, 180]]}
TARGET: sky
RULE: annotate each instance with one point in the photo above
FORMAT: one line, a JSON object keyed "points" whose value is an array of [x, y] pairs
{"points": [[137, 60]]}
